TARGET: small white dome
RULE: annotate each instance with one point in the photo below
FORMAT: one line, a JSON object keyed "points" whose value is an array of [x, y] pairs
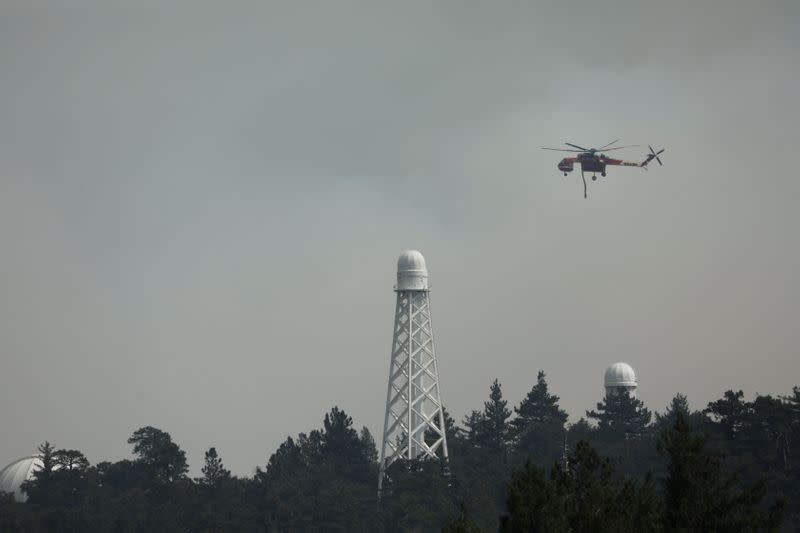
{"points": [[13, 475], [412, 274], [411, 261], [620, 375]]}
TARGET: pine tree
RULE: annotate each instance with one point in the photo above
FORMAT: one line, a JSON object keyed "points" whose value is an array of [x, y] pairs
{"points": [[767, 432], [70, 461], [792, 421], [621, 414], [794, 402], [494, 430], [70, 477], [215, 493], [39, 489], [580, 430], [341, 444], [368, 445], [538, 429], [679, 404], [581, 497], [474, 423], [214, 472], [536, 502], [324, 478], [161, 459], [538, 407], [700, 497], [729, 413], [481, 464]]}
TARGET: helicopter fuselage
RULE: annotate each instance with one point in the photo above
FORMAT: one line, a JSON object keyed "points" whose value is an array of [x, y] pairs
{"points": [[593, 163], [589, 163]]}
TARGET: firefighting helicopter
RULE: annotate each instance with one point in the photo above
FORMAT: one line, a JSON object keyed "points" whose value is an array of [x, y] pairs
{"points": [[593, 160]]}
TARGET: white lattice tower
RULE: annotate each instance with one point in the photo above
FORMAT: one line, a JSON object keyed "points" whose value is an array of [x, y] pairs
{"points": [[413, 402]]}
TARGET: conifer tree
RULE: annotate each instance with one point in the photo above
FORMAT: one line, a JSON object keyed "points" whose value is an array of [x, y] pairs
{"points": [[678, 404], [583, 497], [161, 459], [538, 407], [494, 430], [538, 429], [70, 476], [214, 472], [215, 493], [40, 488], [368, 445], [474, 422], [621, 414], [729, 413], [700, 497], [340, 440]]}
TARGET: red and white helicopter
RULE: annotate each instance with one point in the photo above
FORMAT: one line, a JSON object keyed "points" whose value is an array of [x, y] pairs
{"points": [[592, 160]]}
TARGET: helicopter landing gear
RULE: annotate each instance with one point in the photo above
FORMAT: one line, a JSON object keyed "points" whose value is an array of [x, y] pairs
{"points": [[594, 177], [565, 173], [603, 173]]}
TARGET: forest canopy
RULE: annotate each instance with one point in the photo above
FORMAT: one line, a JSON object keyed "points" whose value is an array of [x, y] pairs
{"points": [[732, 466]]}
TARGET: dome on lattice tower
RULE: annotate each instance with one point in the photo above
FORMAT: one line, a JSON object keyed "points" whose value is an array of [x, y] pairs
{"points": [[412, 274]]}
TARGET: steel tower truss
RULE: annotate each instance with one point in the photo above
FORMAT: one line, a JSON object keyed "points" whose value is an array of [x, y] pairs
{"points": [[413, 404]]}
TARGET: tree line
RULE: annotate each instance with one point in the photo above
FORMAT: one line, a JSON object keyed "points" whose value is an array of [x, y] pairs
{"points": [[733, 466]]}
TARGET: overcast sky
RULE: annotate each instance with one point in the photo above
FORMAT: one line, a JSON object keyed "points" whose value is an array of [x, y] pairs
{"points": [[201, 209]]}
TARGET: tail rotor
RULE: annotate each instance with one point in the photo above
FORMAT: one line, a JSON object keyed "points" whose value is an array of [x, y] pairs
{"points": [[653, 155]]}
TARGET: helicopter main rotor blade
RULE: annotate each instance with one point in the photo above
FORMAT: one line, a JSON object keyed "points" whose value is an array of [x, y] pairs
{"points": [[581, 148], [609, 144], [562, 150], [620, 147]]}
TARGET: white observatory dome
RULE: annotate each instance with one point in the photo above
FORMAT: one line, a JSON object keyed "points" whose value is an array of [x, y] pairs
{"points": [[620, 376], [412, 274], [13, 475]]}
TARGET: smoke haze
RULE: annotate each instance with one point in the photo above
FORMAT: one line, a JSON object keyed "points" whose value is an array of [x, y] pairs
{"points": [[201, 207]]}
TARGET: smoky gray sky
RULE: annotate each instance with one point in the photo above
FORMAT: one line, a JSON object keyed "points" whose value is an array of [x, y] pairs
{"points": [[201, 208]]}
